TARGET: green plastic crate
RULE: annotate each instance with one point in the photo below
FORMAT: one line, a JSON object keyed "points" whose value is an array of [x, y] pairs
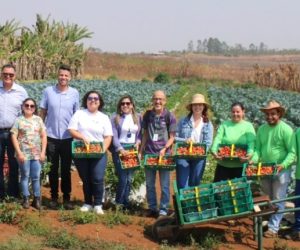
{"points": [[197, 198], [237, 146], [76, 144], [157, 166], [254, 168], [187, 146], [199, 216], [138, 165], [233, 198]]}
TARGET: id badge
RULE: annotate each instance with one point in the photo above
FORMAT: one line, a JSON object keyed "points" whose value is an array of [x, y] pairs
{"points": [[155, 137]]}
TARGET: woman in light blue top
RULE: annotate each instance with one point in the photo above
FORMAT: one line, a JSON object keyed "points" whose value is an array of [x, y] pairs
{"points": [[196, 128]]}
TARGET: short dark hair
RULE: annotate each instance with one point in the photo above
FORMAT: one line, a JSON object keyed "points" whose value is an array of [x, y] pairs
{"points": [[64, 67], [9, 65], [84, 99], [239, 104]]}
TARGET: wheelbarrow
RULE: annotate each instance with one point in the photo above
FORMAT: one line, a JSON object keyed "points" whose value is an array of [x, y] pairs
{"points": [[169, 227]]}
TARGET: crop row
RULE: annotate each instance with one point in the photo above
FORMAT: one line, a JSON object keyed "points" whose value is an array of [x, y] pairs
{"points": [[110, 90], [221, 99]]}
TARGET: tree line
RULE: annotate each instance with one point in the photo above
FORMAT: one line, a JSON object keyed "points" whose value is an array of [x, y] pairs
{"points": [[217, 47], [38, 52]]}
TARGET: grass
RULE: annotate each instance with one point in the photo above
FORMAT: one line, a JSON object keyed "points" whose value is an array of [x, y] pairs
{"points": [[117, 217], [78, 217], [21, 243], [10, 212], [33, 225]]}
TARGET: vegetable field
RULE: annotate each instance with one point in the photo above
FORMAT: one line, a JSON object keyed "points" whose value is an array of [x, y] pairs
{"points": [[221, 99], [110, 90]]}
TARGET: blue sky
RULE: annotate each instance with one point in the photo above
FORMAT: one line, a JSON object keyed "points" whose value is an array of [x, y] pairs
{"points": [[154, 25]]}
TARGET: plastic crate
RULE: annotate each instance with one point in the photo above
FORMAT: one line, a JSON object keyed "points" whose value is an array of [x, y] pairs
{"points": [[197, 199], [260, 170], [79, 150], [233, 196], [199, 216], [155, 165], [233, 150], [132, 156], [190, 151]]}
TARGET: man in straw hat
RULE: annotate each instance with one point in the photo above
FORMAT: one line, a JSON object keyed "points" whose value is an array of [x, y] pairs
{"points": [[274, 143]]}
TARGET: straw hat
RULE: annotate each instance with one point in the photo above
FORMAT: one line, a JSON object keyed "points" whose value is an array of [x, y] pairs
{"points": [[197, 98], [273, 105]]}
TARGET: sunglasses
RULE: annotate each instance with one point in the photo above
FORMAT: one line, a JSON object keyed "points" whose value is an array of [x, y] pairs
{"points": [[26, 105], [125, 103], [11, 75], [91, 98]]}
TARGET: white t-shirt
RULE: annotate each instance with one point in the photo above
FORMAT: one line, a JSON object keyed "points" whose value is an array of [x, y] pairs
{"points": [[128, 130], [94, 126], [196, 132]]}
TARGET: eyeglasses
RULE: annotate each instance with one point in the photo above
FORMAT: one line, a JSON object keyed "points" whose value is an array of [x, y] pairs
{"points": [[125, 103], [11, 75], [93, 98], [26, 105]]}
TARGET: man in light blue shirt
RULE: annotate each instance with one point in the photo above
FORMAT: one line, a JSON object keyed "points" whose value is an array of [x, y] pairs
{"points": [[58, 105], [11, 97]]}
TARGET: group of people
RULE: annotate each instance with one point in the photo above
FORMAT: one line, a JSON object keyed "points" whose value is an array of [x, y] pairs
{"points": [[27, 141]]}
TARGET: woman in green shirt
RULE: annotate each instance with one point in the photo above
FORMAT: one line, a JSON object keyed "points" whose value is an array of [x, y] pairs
{"points": [[234, 131]]}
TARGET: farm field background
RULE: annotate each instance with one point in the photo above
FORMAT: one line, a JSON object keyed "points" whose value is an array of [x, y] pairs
{"points": [[221, 79]]}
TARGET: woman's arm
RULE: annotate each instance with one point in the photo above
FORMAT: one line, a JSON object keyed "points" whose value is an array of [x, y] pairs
{"points": [[106, 142], [19, 153], [77, 135]]}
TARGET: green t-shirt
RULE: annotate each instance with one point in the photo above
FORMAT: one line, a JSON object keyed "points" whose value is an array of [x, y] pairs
{"points": [[275, 144], [231, 132], [297, 145]]}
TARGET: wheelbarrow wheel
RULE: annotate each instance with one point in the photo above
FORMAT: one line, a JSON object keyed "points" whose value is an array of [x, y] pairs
{"points": [[165, 229]]}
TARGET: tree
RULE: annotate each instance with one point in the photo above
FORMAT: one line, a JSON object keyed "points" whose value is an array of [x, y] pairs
{"points": [[190, 46]]}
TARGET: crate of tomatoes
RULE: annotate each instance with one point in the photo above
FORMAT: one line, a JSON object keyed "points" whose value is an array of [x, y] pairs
{"points": [[232, 151], [260, 169], [91, 150], [131, 159], [191, 150], [155, 162]]}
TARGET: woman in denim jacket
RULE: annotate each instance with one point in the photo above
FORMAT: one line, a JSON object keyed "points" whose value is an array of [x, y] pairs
{"points": [[126, 125], [197, 128]]}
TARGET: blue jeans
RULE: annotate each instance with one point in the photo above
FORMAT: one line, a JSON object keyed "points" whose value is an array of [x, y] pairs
{"points": [[91, 172], [297, 205], [164, 178], [124, 181], [189, 172], [13, 179], [276, 188], [32, 169]]}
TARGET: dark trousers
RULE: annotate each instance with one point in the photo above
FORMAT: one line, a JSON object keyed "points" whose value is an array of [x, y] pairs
{"points": [[91, 172], [13, 179], [59, 153], [297, 205], [224, 173]]}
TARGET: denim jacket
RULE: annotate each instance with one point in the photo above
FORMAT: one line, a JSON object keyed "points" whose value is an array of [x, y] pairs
{"points": [[185, 128]]}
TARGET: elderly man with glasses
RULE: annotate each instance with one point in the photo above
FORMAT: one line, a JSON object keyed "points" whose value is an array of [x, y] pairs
{"points": [[11, 97]]}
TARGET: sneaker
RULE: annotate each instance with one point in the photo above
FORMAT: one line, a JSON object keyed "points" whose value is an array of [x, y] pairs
{"points": [[68, 205], [86, 208], [163, 213], [25, 203], [294, 235], [270, 234], [98, 209], [36, 203], [53, 204]]}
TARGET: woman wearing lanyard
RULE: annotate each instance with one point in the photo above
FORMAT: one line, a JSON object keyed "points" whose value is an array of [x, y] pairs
{"points": [[126, 126], [90, 124], [194, 128]]}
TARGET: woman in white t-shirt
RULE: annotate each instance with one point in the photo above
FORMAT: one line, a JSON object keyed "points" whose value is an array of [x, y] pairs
{"points": [[196, 128], [126, 126], [90, 124]]}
